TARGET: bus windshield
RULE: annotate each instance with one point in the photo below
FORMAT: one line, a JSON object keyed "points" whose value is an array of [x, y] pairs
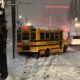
{"points": [[25, 36], [18, 37]]}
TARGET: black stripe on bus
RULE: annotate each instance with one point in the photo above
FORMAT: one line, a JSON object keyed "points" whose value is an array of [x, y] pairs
{"points": [[55, 48], [44, 40], [50, 48], [42, 45], [42, 50]]}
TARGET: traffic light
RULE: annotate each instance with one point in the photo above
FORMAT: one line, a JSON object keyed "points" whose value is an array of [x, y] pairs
{"points": [[3, 37]]}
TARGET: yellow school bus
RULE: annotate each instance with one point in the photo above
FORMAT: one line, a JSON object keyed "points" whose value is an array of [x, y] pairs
{"points": [[40, 41]]}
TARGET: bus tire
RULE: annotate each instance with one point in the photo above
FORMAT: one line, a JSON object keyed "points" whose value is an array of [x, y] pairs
{"points": [[47, 52], [64, 49]]}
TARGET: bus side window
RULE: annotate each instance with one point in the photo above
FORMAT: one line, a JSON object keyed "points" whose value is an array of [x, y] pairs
{"points": [[42, 36], [33, 36], [25, 36], [52, 35], [60, 35], [47, 35], [56, 36], [18, 36]]}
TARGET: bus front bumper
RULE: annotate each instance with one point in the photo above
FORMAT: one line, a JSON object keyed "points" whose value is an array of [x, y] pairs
{"points": [[20, 49]]}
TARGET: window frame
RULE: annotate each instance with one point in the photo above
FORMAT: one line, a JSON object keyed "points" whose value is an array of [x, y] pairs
{"points": [[42, 36]]}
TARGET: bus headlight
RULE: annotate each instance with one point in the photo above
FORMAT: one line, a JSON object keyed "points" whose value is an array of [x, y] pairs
{"points": [[33, 49], [20, 43]]}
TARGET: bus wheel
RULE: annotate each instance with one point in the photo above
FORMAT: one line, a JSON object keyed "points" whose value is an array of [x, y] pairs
{"points": [[64, 49], [47, 52]]}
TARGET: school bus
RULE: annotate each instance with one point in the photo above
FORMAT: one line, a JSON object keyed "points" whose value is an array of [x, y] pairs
{"points": [[40, 41]]}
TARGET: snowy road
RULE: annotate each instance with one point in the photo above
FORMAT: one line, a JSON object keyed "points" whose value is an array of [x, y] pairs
{"points": [[58, 67], [55, 67]]}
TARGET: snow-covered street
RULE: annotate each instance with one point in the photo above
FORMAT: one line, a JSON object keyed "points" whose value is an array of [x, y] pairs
{"points": [[43, 27], [15, 66], [55, 67], [58, 67]]}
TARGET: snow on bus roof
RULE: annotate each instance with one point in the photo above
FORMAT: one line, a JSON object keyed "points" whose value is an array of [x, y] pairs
{"points": [[46, 28], [42, 27]]}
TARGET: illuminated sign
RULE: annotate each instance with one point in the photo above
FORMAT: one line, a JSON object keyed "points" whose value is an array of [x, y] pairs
{"points": [[56, 7]]}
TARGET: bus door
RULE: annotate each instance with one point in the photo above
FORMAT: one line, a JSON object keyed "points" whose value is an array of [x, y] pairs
{"points": [[33, 35], [58, 38]]}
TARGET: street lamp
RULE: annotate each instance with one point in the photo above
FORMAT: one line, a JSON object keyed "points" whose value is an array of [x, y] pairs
{"points": [[18, 4], [19, 20], [76, 19], [20, 17], [77, 24]]}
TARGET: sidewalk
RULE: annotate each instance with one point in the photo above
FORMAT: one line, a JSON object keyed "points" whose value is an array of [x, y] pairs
{"points": [[15, 66]]}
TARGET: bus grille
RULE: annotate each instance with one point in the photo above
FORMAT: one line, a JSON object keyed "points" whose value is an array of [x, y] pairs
{"points": [[26, 47]]}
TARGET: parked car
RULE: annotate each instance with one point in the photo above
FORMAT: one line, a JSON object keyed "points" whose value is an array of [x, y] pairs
{"points": [[75, 40]]}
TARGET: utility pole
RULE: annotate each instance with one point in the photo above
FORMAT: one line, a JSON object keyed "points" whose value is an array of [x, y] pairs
{"points": [[13, 9]]}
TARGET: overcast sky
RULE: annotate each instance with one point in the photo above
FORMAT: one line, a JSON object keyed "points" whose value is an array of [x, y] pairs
{"points": [[36, 14]]}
